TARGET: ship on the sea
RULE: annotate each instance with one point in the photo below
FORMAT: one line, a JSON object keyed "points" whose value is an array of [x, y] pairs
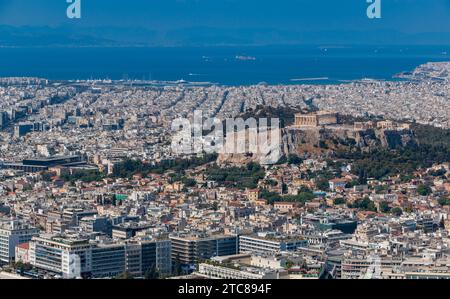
{"points": [[245, 58]]}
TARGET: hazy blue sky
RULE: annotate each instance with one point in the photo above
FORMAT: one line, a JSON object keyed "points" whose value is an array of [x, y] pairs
{"points": [[225, 22], [410, 16]]}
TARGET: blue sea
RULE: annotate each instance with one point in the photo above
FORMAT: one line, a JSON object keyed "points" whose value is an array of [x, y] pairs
{"points": [[221, 65]]}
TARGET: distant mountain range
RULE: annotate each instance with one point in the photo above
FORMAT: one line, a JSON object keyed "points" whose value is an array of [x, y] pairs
{"points": [[204, 36]]}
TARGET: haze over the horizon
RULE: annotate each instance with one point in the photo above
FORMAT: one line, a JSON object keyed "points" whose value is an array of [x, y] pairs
{"points": [[235, 21]]}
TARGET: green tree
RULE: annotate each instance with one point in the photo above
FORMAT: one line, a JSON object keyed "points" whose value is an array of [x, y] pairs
{"points": [[323, 144], [125, 275], [339, 201], [322, 184], [22, 267], [189, 182], [293, 159], [177, 267], [444, 201], [396, 211], [152, 273], [364, 204], [424, 190], [384, 207], [284, 188]]}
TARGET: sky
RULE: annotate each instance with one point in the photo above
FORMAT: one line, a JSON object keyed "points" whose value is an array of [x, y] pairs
{"points": [[406, 16]]}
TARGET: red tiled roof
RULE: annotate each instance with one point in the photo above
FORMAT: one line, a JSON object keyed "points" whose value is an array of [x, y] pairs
{"points": [[24, 246]]}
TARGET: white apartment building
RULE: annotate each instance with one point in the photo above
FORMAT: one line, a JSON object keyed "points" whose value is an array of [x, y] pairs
{"points": [[223, 272], [268, 244], [13, 233]]}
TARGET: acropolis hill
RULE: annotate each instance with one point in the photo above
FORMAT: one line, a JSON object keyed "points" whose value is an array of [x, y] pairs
{"points": [[320, 133]]}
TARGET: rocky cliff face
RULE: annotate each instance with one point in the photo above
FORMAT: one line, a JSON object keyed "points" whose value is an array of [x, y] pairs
{"points": [[323, 141], [316, 142]]}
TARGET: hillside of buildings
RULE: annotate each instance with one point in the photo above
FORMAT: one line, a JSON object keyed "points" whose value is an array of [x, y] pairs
{"points": [[91, 176]]}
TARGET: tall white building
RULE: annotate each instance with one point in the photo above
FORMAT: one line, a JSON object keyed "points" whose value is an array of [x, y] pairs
{"points": [[269, 243], [57, 254], [13, 233], [75, 256]]}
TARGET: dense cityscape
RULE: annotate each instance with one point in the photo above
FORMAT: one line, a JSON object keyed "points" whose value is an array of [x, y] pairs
{"points": [[91, 188]]}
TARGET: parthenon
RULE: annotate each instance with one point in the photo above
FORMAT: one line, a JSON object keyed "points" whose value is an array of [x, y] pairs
{"points": [[316, 119]]}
